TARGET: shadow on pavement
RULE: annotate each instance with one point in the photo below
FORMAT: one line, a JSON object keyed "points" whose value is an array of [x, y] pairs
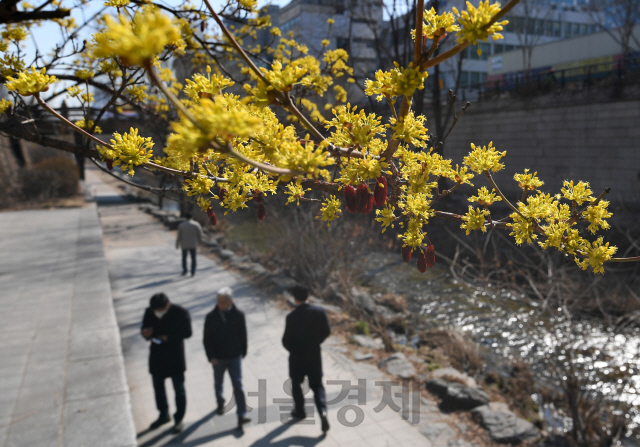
{"points": [[305, 441]]}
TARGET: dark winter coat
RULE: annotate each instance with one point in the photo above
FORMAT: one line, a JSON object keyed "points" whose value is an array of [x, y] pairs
{"points": [[225, 338], [167, 358], [307, 326]]}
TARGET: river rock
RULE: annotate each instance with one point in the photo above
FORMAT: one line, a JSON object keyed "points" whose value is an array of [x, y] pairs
{"points": [[367, 342], [361, 356], [462, 398], [438, 433], [504, 426], [457, 376], [437, 386], [362, 300], [398, 365], [226, 254]]}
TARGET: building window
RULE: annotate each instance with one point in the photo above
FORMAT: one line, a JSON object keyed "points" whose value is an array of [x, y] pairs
{"points": [[342, 43], [290, 24], [557, 29], [548, 28], [339, 6], [567, 30], [498, 48], [592, 29], [584, 29], [464, 78], [474, 78], [575, 29]]}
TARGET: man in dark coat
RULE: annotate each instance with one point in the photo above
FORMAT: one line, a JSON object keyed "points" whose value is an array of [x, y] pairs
{"points": [[225, 342], [166, 325], [306, 328]]}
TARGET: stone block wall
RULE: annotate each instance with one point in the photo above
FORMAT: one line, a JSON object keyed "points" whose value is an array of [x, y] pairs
{"points": [[598, 143]]}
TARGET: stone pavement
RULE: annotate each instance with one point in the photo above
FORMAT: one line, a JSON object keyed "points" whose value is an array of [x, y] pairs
{"points": [[62, 380], [142, 261]]}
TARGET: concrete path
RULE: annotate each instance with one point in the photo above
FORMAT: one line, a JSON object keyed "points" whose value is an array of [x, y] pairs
{"points": [[62, 380], [142, 261]]}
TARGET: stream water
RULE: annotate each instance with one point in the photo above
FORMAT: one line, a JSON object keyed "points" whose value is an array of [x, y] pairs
{"points": [[510, 325]]}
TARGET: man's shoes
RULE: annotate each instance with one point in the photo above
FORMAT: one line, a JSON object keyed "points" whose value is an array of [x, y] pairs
{"points": [[325, 422], [162, 419], [193, 274], [183, 273], [220, 410], [243, 420], [295, 414], [178, 427]]}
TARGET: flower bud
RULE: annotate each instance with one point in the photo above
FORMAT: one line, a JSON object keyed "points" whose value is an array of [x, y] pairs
{"points": [[221, 194], [212, 218], [210, 212], [380, 191], [430, 255], [406, 253], [260, 212], [350, 198], [109, 164], [364, 199], [422, 262], [258, 196]]}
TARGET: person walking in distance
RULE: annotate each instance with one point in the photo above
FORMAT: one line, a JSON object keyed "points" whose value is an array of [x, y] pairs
{"points": [[307, 326], [166, 325], [189, 236], [225, 343]]}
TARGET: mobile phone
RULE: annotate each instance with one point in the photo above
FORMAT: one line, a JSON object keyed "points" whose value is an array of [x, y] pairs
{"points": [[156, 341]]}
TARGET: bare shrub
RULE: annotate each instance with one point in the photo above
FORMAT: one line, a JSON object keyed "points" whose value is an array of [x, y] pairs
{"points": [[460, 349], [50, 178], [397, 303]]}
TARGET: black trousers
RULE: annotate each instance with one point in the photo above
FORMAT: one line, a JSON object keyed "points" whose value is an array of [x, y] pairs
{"points": [[193, 260], [297, 375], [161, 395]]}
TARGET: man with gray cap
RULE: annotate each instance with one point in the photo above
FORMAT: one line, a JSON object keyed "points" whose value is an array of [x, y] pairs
{"points": [[225, 342]]}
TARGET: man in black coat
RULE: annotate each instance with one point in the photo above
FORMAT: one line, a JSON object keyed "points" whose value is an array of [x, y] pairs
{"points": [[166, 325], [306, 328], [225, 342]]}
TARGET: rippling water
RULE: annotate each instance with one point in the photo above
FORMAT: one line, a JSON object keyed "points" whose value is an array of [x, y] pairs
{"points": [[510, 325]]}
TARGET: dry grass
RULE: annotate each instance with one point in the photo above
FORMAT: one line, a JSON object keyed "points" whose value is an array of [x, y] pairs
{"points": [[461, 352]]}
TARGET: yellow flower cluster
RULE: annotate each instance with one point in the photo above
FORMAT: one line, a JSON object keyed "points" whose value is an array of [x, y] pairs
{"points": [[330, 209], [528, 181], [30, 83], [88, 127], [437, 25], [128, 150], [396, 82], [206, 86], [410, 129], [137, 41], [4, 105], [485, 197], [597, 254], [117, 3], [484, 159], [474, 219], [474, 22], [386, 217], [579, 193]]}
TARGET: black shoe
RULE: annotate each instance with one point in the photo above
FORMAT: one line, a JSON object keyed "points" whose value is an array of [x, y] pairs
{"points": [[220, 410], [177, 428], [325, 422], [193, 274], [183, 273], [162, 419], [295, 414], [243, 420]]}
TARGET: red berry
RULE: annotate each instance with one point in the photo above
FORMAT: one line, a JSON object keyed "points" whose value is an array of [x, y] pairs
{"points": [[210, 212], [380, 191], [212, 218], [258, 196], [430, 256], [422, 262], [406, 253], [350, 198], [221, 194], [109, 164], [202, 25], [261, 212]]}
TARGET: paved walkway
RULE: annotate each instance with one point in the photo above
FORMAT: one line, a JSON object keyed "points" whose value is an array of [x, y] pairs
{"points": [[62, 380], [142, 261]]}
